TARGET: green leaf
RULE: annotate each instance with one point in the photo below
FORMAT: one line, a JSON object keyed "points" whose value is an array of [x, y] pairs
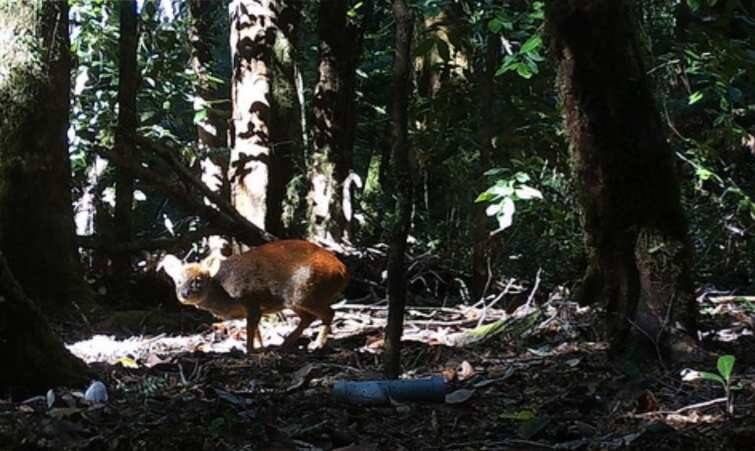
{"points": [[485, 197], [494, 171], [694, 5], [525, 192], [725, 365], [533, 43], [523, 71], [712, 377], [199, 116], [506, 216], [695, 97], [521, 177]]}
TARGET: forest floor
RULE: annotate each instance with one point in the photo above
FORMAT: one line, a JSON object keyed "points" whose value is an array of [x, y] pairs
{"points": [[539, 380]]}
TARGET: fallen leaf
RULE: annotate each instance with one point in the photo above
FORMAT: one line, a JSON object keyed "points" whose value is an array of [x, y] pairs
{"points": [[459, 396]]}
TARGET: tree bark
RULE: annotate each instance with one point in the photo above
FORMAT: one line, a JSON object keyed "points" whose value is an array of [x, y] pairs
{"points": [[128, 76], [402, 177], [284, 212], [480, 233], [634, 227], [36, 214], [34, 360], [253, 33], [205, 35], [334, 122]]}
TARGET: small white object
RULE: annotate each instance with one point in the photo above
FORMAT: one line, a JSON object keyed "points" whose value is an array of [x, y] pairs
{"points": [[97, 392]]}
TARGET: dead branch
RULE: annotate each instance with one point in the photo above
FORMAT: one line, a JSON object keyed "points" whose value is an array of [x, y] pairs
{"points": [[234, 225]]}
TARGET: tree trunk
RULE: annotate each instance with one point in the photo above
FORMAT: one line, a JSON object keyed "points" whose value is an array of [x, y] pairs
{"points": [[253, 30], [128, 74], [283, 211], [481, 235], [34, 360], [402, 177], [634, 226], [334, 119], [36, 214], [211, 102]]}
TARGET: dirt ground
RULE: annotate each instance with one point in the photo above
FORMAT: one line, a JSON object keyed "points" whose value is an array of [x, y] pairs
{"points": [[177, 382]]}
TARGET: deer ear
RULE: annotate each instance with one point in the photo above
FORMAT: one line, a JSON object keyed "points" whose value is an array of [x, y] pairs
{"points": [[171, 265], [212, 264]]}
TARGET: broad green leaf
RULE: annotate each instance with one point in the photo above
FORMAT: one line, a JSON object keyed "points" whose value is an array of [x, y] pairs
{"points": [[694, 5], [506, 216], [527, 192], [725, 365], [521, 177], [493, 209], [711, 377], [533, 43], [485, 197], [523, 71]]}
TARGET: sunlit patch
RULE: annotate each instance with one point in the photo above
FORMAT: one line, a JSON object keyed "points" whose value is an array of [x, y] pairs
{"points": [[152, 350]]}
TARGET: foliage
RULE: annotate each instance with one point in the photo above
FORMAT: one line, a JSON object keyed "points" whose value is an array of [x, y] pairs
{"points": [[504, 194], [725, 366]]}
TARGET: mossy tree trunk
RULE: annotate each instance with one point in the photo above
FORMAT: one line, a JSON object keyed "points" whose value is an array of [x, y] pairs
{"points": [[34, 360], [286, 202], [36, 214], [402, 180], [334, 119], [634, 227]]}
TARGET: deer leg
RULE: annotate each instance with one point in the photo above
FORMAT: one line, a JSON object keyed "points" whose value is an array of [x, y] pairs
{"points": [[305, 319], [326, 316], [253, 315]]}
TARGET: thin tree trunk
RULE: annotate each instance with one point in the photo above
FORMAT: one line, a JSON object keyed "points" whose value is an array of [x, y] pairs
{"points": [[212, 127], [334, 119], [402, 178], [128, 75], [36, 214], [635, 229], [481, 236], [253, 32]]}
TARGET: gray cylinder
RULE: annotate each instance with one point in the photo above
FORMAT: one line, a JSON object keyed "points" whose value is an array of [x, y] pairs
{"points": [[380, 392]]}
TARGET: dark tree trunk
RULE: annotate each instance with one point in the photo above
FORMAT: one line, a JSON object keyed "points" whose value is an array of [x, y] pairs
{"points": [[207, 34], [334, 119], [253, 31], [286, 126], [128, 73], [481, 235], [36, 214], [402, 177], [635, 229], [34, 360]]}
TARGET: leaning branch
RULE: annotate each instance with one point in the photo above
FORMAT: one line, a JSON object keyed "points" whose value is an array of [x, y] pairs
{"points": [[234, 225]]}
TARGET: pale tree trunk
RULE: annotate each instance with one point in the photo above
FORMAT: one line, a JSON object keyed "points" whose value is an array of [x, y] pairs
{"points": [[253, 32], [128, 76], [402, 178], [480, 233], [634, 225], [36, 214], [211, 100], [334, 121]]}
